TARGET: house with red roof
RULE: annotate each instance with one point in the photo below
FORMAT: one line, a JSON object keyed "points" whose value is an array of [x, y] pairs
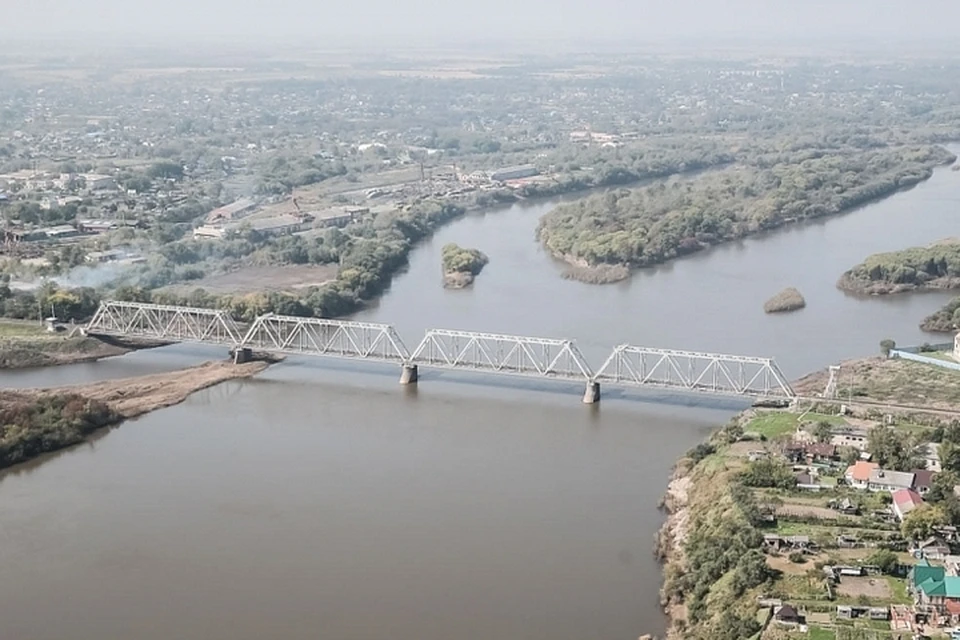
{"points": [[905, 501], [858, 475]]}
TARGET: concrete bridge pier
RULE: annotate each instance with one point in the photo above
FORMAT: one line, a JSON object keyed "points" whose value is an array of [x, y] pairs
{"points": [[409, 375], [242, 355], [592, 394]]}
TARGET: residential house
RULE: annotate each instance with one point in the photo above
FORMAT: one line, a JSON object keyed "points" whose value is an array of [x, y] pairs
{"points": [[820, 452], [848, 436], [931, 456], [792, 543], [788, 616], [932, 587], [905, 501], [923, 481], [884, 480], [858, 474], [933, 548]]}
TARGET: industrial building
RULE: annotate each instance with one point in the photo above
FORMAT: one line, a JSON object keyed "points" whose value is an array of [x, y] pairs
{"points": [[514, 173]]}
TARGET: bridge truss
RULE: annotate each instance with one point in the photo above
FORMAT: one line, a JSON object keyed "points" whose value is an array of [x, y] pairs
{"points": [[324, 337], [162, 322], [493, 353], [692, 371]]}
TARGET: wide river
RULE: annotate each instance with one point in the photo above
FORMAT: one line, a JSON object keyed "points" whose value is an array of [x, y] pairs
{"points": [[322, 500]]}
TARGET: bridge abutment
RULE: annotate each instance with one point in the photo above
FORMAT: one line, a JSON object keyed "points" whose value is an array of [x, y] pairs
{"points": [[410, 374], [242, 355], [592, 393]]}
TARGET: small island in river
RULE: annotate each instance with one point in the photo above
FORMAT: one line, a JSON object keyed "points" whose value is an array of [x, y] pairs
{"points": [[787, 300], [658, 223], [933, 267], [461, 265]]}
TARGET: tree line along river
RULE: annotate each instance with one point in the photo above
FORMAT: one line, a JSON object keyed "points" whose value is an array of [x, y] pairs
{"points": [[320, 499]]}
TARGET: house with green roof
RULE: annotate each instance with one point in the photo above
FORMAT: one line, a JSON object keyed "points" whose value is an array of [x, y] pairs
{"points": [[931, 586]]}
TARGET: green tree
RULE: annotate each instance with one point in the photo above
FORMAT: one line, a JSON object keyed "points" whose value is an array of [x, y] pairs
{"points": [[823, 431], [893, 449], [885, 559], [919, 523], [886, 345]]}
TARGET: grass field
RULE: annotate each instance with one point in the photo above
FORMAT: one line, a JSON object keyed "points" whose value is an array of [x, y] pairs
{"points": [[772, 424], [819, 633], [9, 329]]}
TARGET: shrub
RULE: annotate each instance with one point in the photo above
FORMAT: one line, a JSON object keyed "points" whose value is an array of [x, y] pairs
{"points": [[886, 346]]}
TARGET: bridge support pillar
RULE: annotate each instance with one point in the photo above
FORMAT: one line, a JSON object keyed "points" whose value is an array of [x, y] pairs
{"points": [[592, 394], [410, 374], [242, 355]]}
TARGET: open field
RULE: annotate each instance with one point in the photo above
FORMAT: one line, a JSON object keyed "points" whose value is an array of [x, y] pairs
{"points": [[772, 424], [254, 279], [890, 380], [17, 329]]}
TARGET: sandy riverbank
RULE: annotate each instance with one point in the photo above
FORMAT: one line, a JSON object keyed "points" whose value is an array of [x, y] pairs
{"points": [[38, 421], [131, 397]]}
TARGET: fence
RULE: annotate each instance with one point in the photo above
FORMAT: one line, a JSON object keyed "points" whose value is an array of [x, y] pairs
{"points": [[913, 353]]}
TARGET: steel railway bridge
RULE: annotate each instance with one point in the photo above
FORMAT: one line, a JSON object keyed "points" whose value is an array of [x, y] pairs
{"points": [[547, 358]]}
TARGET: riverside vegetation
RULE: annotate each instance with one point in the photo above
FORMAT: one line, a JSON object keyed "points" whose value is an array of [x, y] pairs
{"points": [[461, 265], [651, 225], [933, 267], [33, 426], [944, 320], [38, 421]]}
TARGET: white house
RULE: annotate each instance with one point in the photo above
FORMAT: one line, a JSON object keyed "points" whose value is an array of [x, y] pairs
{"points": [[884, 480]]}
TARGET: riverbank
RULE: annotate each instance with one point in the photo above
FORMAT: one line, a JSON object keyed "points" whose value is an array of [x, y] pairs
{"points": [[739, 503], [38, 421], [26, 345]]}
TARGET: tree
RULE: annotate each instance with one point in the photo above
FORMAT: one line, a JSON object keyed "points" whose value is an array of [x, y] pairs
{"points": [[885, 559], [166, 170], [768, 472], [823, 431], [919, 523], [886, 345], [892, 449]]}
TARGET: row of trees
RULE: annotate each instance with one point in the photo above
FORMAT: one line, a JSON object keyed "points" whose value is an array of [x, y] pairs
{"points": [[48, 299]]}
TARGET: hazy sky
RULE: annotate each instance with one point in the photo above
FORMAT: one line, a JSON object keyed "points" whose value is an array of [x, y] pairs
{"points": [[453, 19]]}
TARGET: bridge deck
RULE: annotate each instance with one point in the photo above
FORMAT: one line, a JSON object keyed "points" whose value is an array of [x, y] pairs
{"points": [[546, 358]]}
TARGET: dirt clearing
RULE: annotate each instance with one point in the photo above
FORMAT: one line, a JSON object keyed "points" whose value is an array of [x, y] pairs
{"points": [[867, 586], [256, 279]]}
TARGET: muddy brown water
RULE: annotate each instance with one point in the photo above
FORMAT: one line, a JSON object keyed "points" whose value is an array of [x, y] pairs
{"points": [[321, 500]]}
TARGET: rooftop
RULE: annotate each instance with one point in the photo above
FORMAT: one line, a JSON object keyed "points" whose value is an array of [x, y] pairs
{"points": [[907, 496], [902, 479], [861, 471]]}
